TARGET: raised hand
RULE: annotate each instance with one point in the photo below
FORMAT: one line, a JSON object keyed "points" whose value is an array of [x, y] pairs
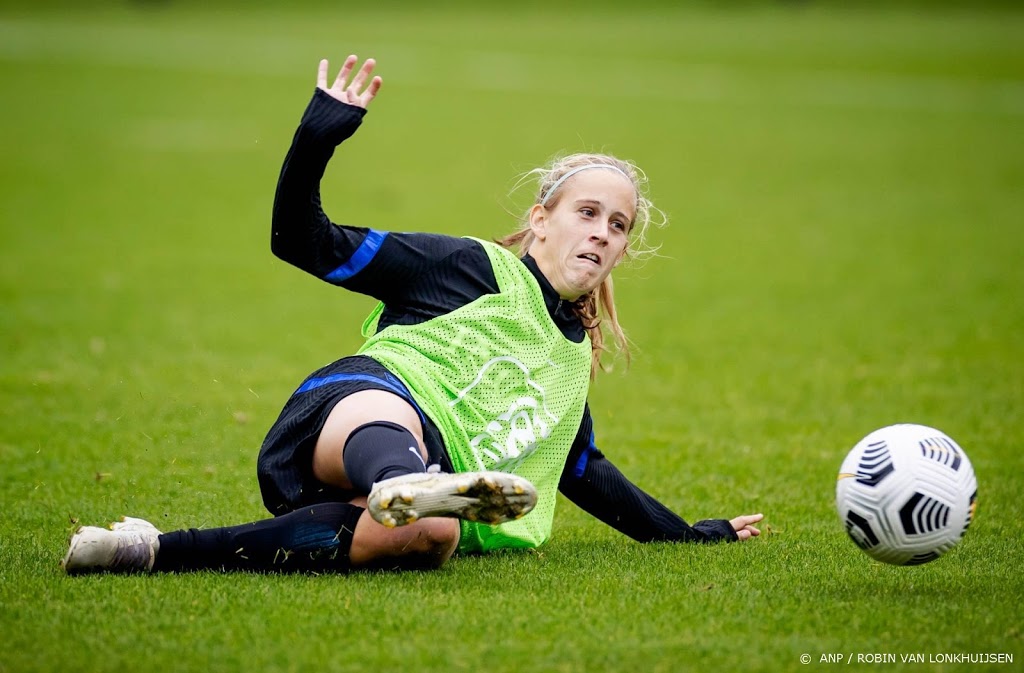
{"points": [[744, 526], [352, 93]]}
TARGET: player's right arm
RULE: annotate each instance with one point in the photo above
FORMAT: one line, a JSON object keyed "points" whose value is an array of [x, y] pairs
{"points": [[380, 264]]}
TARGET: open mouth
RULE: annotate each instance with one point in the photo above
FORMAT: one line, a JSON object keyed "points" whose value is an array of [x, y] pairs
{"points": [[589, 256]]}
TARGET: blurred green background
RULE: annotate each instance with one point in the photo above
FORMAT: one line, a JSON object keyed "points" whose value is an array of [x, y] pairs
{"points": [[845, 252]]}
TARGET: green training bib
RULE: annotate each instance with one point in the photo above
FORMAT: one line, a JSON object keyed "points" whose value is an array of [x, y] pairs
{"points": [[503, 385]]}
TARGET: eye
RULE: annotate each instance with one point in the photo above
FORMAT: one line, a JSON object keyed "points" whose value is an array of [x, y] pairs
{"points": [[621, 226], [587, 212]]}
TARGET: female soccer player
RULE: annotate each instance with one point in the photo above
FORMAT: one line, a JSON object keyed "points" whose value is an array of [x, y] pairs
{"points": [[466, 408]]}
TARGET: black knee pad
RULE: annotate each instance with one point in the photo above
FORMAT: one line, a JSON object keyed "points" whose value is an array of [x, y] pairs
{"points": [[380, 450]]}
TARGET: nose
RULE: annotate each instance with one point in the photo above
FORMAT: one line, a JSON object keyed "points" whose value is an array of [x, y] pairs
{"points": [[599, 232]]}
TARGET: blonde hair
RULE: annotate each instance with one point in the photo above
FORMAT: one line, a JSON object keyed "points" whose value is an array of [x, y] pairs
{"points": [[597, 307]]}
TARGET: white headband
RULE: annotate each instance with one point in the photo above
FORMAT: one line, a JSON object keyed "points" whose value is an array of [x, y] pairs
{"points": [[573, 172]]}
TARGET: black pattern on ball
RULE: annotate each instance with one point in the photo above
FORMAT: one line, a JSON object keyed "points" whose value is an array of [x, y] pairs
{"points": [[859, 530], [875, 464], [923, 514]]}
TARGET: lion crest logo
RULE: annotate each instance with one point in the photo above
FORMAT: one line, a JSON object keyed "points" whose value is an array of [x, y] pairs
{"points": [[513, 435]]}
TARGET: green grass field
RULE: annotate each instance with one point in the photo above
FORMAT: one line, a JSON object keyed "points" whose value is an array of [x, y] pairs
{"points": [[846, 251]]}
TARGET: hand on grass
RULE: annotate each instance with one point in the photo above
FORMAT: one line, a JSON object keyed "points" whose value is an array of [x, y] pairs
{"points": [[744, 526], [350, 93]]}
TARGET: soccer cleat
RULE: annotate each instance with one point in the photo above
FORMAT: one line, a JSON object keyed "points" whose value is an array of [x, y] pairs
{"points": [[130, 546], [128, 523], [487, 497]]}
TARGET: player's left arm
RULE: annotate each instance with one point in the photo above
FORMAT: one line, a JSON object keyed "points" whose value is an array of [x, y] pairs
{"points": [[595, 485]]}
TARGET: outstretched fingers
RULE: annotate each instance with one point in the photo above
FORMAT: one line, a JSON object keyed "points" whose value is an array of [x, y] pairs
{"points": [[357, 95], [346, 69], [371, 91], [744, 526], [746, 533], [352, 93], [360, 79], [321, 75]]}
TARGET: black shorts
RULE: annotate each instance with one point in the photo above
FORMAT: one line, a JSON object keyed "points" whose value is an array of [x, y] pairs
{"points": [[285, 464]]}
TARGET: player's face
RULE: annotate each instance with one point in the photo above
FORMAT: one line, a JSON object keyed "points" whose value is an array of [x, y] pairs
{"points": [[584, 235]]}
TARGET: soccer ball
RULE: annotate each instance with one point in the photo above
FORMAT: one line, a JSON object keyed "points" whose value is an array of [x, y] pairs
{"points": [[906, 494]]}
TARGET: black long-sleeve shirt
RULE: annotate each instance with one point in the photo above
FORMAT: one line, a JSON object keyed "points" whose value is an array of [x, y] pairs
{"points": [[421, 276]]}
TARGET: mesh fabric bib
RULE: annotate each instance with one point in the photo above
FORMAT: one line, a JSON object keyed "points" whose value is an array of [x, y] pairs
{"points": [[503, 385]]}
